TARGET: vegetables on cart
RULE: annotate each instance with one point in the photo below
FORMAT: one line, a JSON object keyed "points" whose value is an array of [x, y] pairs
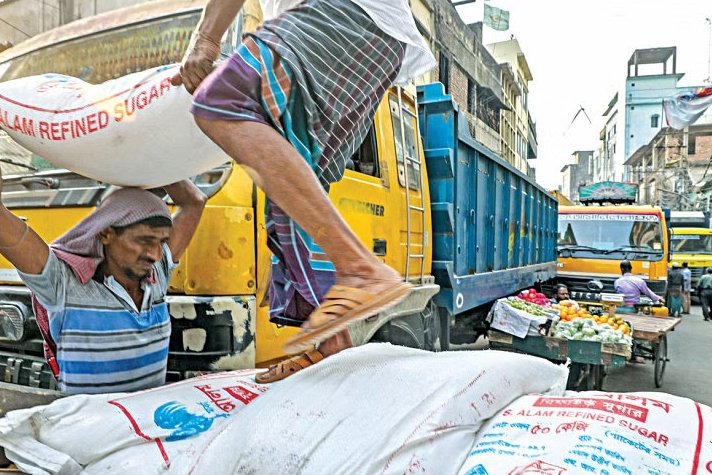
{"points": [[589, 329], [532, 296], [532, 308], [569, 311]]}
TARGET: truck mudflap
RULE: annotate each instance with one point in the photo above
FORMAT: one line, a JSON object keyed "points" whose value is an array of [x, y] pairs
{"points": [[211, 333]]}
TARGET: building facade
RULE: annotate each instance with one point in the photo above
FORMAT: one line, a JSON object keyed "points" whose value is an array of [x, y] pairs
{"points": [[674, 169], [523, 143], [652, 77], [577, 173], [635, 113]]}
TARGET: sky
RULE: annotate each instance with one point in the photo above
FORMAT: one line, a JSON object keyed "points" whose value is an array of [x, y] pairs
{"points": [[578, 51]]}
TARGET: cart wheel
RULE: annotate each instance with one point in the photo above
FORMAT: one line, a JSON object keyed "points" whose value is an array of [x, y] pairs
{"points": [[660, 360], [584, 377], [601, 374]]}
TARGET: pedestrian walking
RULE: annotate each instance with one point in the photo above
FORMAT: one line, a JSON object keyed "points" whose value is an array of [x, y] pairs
{"points": [[704, 290], [675, 283], [686, 288], [292, 105]]}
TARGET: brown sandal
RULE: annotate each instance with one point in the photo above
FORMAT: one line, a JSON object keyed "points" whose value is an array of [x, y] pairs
{"points": [[342, 307], [289, 366]]}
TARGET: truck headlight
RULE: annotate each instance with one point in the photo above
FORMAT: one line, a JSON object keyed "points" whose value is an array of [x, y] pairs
{"points": [[12, 321]]}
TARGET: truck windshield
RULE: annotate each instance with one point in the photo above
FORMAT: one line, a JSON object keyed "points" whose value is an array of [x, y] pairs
{"points": [[692, 243], [610, 236]]}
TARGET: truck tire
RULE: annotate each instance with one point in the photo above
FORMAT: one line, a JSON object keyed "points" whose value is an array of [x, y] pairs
{"points": [[420, 330]]}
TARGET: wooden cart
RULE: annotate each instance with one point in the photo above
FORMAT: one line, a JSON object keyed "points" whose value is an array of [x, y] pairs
{"points": [[650, 340], [589, 358]]}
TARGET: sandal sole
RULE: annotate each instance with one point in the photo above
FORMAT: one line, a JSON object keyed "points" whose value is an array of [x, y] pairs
{"points": [[308, 338]]}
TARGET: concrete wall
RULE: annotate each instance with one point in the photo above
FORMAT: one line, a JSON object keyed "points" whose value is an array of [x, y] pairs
{"points": [[644, 99]]}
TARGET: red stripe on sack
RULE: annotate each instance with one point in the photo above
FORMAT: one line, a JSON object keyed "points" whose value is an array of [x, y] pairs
{"points": [[698, 446], [139, 432], [68, 111]]}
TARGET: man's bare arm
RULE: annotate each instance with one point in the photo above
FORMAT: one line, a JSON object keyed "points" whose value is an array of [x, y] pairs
{"points": [[19, 244], [190, 202], [204, 47]]}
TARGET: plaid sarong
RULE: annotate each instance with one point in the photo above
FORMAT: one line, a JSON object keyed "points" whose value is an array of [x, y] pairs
{"points": [[316, 74]]}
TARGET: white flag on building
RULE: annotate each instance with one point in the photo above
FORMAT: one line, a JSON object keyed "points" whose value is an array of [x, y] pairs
{"points": [[685, 109]]}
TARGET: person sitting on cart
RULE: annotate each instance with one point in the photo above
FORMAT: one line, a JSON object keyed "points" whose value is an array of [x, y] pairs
{"points": [[632, 287], [561, 292]]}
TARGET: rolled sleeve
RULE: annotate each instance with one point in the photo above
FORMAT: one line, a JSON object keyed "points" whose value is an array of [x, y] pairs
{"points": [[49, 285]]}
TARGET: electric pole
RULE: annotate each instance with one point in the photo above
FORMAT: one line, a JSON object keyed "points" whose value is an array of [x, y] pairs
{"points": [[709, 50]]}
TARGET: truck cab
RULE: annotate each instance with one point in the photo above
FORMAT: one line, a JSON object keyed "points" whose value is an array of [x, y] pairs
{"points": [[593, 240], [694, 246]]}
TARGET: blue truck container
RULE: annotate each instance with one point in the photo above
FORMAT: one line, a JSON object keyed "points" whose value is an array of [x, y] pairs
{"points": [[494, 228]]}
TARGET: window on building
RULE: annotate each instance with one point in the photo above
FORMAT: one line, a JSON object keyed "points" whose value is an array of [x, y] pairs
{"points": [[444, 72], [471, 97], [654, 121], [691, 145]]}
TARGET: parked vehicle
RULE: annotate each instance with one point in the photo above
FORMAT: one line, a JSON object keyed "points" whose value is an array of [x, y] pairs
{"points": [[689, 219], [593, 240], [694, 246], [454, 218]]}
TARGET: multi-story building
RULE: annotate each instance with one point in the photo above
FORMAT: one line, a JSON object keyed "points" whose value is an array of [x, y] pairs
{"points": [[635, 114], [673, 169], [645, 89], [489, 89], [609, 153], [578, 172], [524, 143], [508, 117]]}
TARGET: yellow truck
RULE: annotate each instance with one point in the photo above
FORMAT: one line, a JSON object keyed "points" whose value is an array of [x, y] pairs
{"points": [[461, 224], [593, 240], [694, 246], [594, 237]]}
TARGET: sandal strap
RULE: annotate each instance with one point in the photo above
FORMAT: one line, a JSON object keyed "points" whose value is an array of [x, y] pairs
{"points": [[290, 366]]}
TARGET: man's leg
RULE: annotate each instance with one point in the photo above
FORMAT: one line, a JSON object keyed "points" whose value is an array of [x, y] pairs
{"points": [[686, 302], [706, 300], [289, 182]]}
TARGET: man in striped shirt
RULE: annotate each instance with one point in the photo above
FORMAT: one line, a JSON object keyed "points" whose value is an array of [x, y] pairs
{"points": [[98, 290]]}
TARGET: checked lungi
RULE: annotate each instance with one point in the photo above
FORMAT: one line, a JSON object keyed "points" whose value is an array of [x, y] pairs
{"points": [[316, 74]]}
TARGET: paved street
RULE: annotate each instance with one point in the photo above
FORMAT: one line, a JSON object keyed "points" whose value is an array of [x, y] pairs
{"points": [[689, 371]]}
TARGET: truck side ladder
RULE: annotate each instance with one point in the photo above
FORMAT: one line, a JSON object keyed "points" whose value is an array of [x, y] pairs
{"points": [[412, 207]]}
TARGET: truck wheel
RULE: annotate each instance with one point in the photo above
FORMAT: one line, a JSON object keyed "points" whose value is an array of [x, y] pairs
{"points": [[420, 330]]}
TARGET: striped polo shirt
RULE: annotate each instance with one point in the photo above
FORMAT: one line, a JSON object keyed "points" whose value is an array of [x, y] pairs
{"points": [[104, 342]]}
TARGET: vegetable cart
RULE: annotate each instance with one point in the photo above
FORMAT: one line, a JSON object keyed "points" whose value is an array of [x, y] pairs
{"points": [[589, 358], [650, 340]]}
